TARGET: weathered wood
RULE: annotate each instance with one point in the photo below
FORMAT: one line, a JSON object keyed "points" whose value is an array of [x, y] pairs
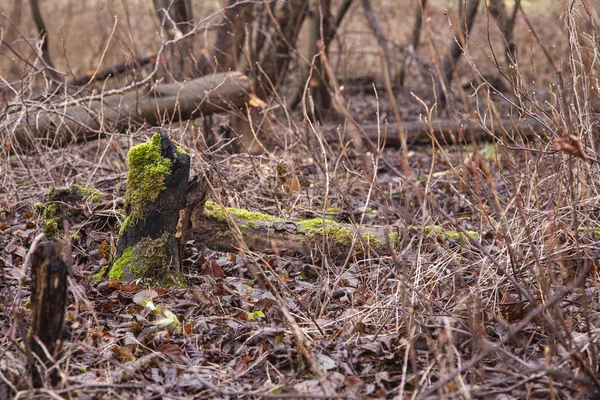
{"points": [[157, 187], [448, 131], [114, 70], [57, 124], [48, 301], [225, 229], [267, 234]]}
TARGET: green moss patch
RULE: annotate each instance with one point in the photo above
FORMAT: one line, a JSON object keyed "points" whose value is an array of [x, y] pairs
{"points": [[146, 178], [148, 259], [215, 211], [448, 234]]}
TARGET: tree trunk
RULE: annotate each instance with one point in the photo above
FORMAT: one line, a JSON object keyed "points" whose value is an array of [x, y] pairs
{"points": [[506, 24], [157, 187], [466, 20], [58, 124], [415, 39], [113, 70], [176, 18], [276, 57], [231, 36], [48, 300], [43, 35], [324, 25], [378, 33]]}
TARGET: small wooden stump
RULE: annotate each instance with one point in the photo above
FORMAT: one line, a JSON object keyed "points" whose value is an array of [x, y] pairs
{"points": [[157, 186], [49, 272]]}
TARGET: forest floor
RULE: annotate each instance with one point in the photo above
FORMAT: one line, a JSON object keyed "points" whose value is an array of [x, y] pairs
{"points": [[438, 314]]}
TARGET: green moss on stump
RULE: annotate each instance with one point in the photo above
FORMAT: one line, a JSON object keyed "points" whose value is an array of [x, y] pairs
{"points": [[146, 178], [147, 259]]}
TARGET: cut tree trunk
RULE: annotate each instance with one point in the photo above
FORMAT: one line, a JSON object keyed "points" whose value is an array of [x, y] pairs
{"points": [[157, 187], [61, 123], [48, 300]]}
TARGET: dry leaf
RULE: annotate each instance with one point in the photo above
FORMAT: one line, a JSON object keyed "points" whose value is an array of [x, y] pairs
{"points": [[570, 144], [292, 184], [213, 269], [103, 250]]}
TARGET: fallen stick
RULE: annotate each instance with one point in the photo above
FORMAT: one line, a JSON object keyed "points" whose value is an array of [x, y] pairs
{"points": [[113, 70]]}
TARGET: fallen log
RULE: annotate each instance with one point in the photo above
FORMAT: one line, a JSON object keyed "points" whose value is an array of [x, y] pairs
{"points": [[447, 131], [113, 70], [60, 123], [223, 228]]}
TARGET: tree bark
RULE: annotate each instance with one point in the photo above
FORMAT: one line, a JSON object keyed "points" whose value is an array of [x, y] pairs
{"points": [[48, 301], [325, 26], [506, 24], [414, 41], [43, 34], [157, 187], [447, 131], [176, 18], [466, 20], [230, 229], [378, 32], [275, 58], [57, 124], [232, 35]]}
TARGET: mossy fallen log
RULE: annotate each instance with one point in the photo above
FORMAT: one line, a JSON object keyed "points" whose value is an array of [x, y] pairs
{"points": [[268, 234], [157, 186], [60, 123]]}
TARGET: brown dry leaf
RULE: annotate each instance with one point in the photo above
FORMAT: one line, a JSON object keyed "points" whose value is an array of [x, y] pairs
{"points": [[570, 144], [292, 184], [124, 352], [173, 351], [201, 297], [213, 269], [103, 250]]}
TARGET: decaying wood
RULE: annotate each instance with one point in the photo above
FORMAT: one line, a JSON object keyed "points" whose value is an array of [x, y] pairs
{"points": [[155, 249], [285, 237], [48, 300], [58, 124], [448, 131]]}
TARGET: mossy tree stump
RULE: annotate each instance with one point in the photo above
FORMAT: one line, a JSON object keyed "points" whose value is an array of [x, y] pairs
{"points": [[157, 184]]}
